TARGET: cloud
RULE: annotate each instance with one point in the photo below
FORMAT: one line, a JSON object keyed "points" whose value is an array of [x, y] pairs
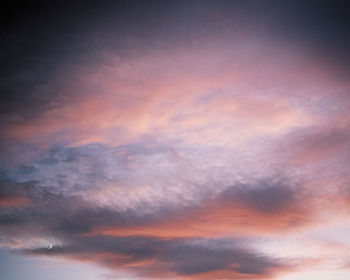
{"points": [[319, 144], [243, 209], [266, 207], [166, 93], [166, 138], [180, 257]]}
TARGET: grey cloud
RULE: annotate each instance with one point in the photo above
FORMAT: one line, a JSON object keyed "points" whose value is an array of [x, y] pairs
{"points": [[65, 214], [67, 217], [190, 259], [182, 256], [266, 196], [80, 167]]}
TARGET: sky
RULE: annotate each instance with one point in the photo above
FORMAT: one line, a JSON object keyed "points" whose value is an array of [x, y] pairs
{"points": [[175, 140]]}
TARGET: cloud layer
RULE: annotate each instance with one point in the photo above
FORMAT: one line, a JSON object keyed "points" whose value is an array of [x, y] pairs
{"points": [[183, 140]]}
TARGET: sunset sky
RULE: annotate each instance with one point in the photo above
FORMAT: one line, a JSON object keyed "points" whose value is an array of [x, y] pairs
{"points": [[175, 140]]}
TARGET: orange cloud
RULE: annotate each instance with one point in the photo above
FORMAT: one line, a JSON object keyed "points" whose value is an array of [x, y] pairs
{"points": [[232, 274], [13, 201], [219, 217], [173, 94]]}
